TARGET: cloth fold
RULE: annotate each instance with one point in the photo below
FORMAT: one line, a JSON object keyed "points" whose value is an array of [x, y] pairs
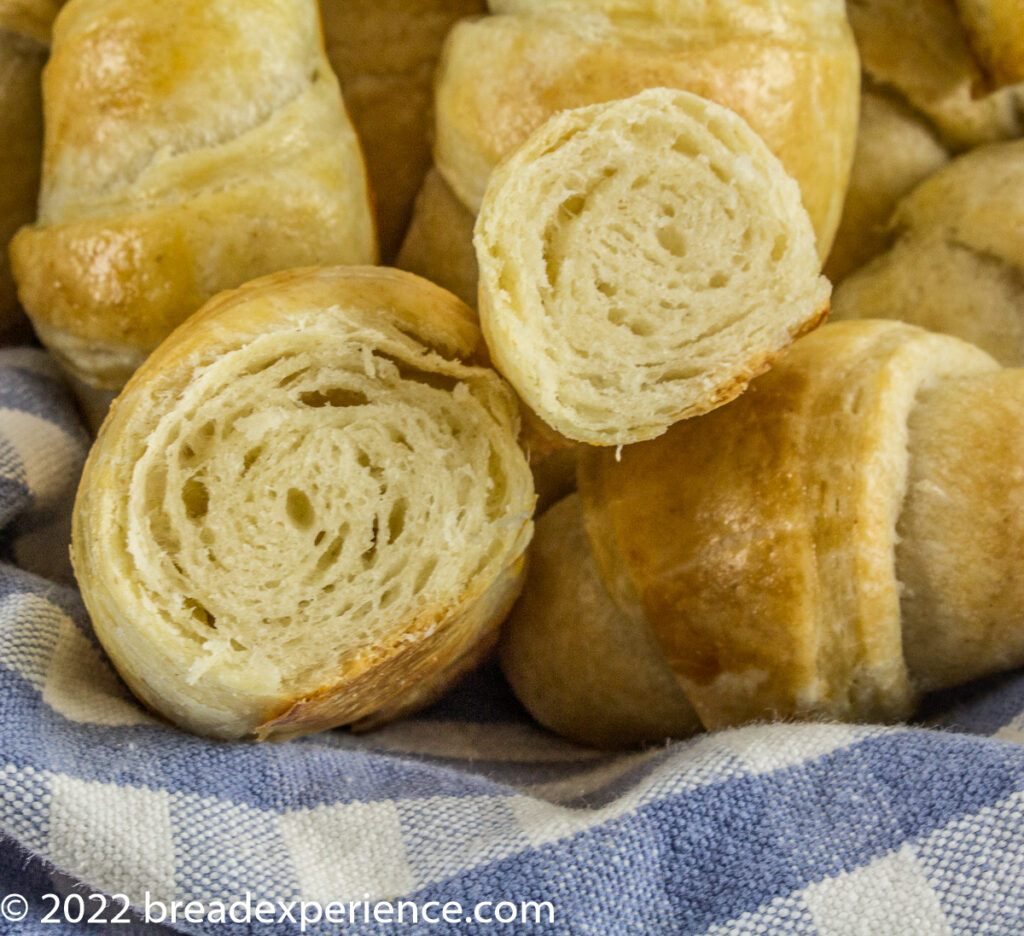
{"points": [[808, 829]]}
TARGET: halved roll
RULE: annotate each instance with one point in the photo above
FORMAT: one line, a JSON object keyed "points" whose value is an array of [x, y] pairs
{"points": [[788, 67], [641, 261], [307, 508]]}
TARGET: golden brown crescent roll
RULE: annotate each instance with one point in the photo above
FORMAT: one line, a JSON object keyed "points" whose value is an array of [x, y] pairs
{"points": [[24, 41], [919, 49], [789, 68], [175, 169], [384, 53], [896, 149], [995, 30], [842, 537], [957, 264], [307, 508], [577, 663], [640, 261]]}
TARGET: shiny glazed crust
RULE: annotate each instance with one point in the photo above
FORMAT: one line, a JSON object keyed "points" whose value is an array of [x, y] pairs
{"points": [[305, 510]]}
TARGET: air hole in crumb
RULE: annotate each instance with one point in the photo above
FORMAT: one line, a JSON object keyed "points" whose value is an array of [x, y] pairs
{"points": [[718, 280], [333, 396], [396, 520], [187, 454], [641, 327], [235, 645], [299, 509], [330, 555], [408, 371], [200, 613], [292, 377], [607, 289], [250, 458], [779, 249], [499, 483], [672, 240], [573, 205], [388, 598], [370, 555], [686, 147], [319, 537], [196, 499]]}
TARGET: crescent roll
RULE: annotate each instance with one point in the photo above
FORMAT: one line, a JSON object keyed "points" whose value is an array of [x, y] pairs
{"points": [[896, 150], [841, 538], [957, 261], [919, 49], [307, 508], [24, 42], [577, 663], [641, 261], [190, 146], [789, 68], [384, 53]]}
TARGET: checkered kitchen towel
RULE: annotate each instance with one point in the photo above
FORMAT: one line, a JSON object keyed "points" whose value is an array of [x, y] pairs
{"points": [[803, 829]]}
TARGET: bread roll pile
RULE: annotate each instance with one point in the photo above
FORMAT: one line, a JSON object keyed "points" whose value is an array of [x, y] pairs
{"points": [[312, 504]]}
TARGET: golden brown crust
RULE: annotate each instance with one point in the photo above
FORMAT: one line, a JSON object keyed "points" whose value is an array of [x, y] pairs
{"points": [[896, 150], [793, 78], [31, 18], [957, 263], [174, 170], [960, 531], [439, 242], [768, 573], [384, 53], [995, 31], [22, 54], [918, 48], [575, 661]]}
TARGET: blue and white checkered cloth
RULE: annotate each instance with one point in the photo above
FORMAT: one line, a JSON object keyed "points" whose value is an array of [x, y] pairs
{"points": [[795, 829]]}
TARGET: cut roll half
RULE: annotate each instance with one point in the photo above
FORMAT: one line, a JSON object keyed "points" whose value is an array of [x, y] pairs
{"points": [[307, 508], [640, 262]]}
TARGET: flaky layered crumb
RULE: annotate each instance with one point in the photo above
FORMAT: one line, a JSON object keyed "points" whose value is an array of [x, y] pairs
{"points": [[640, 262], [291, 495]]}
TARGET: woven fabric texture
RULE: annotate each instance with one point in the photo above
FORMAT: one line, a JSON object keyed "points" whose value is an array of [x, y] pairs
{"points": [[816, 829]]}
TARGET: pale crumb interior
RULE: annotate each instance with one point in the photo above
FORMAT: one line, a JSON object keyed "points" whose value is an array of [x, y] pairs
{"points": [[648, 263], [305, 502]]}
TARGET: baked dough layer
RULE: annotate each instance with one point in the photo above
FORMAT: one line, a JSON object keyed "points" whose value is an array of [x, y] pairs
{"points": [[640, 261], [306, 508]]}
